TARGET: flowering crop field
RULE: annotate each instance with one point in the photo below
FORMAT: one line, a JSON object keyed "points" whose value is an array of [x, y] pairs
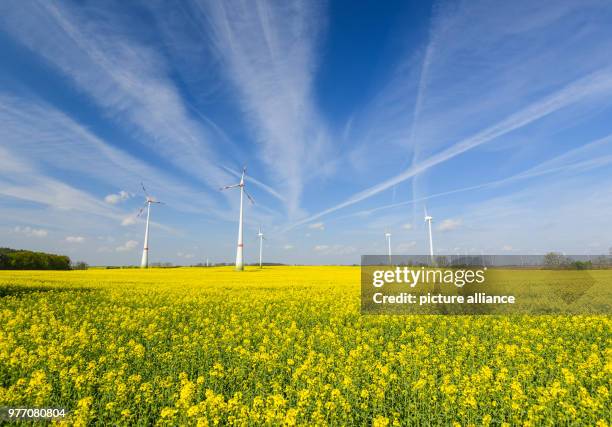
{"points": [[284, 346]]}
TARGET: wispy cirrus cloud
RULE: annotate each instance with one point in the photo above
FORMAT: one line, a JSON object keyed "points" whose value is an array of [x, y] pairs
{"points": [[31, 232], [50, 140], [593, 155], [595, 86], [94, 48], [27, 183], [267, 51], [37, 140], [458, 83]]}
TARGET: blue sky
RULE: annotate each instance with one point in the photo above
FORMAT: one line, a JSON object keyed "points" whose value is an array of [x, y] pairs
{"points": [[351, 118]]}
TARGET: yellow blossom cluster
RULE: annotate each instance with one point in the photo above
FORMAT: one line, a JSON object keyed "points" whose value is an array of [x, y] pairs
{"points": [[284, 346]]}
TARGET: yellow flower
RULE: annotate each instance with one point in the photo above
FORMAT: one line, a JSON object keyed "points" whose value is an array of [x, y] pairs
{"points": [[380, 421], [168, 413]]}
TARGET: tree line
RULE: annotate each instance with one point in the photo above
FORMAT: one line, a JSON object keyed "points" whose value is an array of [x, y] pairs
{"points": [[16, 259]]}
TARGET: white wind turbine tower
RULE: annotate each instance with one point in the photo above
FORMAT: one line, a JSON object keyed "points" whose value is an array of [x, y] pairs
{"points": [[261, 239], [428, 219], [239, 249], [144, 263], [388, 237]]}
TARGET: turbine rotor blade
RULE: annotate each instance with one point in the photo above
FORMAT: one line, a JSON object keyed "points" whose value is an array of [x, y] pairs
{"points": [[227, 187], [144, 189], [250, 198], [142, 209]]}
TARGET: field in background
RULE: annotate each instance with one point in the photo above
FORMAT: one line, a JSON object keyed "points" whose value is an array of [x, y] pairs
{"points": [[284, 345]]}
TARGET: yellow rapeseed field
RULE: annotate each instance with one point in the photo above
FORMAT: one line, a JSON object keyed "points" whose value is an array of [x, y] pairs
{"points": [[284, 346]]}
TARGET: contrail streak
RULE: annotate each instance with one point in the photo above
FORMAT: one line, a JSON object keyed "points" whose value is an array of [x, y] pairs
{"points": [[595, 84], [525, 175]]}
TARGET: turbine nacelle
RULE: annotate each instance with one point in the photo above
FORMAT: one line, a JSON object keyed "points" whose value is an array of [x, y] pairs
{"points": [[427, 216], [242, 177], [241, 186]]}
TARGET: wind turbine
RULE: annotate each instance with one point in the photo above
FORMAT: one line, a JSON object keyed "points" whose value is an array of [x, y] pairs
{"points": [[388, 237], [261, 239], [239, 254], [428, 219], [144, 263]]}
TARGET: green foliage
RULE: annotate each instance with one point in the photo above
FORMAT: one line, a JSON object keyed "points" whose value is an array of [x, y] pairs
{"points": [[12, 259], [582, 265], [554, 259], [80, 265], [557, 260]]}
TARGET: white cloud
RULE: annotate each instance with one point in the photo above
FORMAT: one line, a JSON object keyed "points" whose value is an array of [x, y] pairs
{"points": [[449, 224], [113, 199], [321, 248], [506, 248], [317, 226], [128, 220], [288, 247], [75, 239], [127, 246], [407, 226], [31, 232]]}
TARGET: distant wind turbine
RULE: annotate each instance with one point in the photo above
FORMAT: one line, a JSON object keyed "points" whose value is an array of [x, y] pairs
{"points": [[428, 219], [261, 239], [144, 263], [388, 237], [239, 249]]}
